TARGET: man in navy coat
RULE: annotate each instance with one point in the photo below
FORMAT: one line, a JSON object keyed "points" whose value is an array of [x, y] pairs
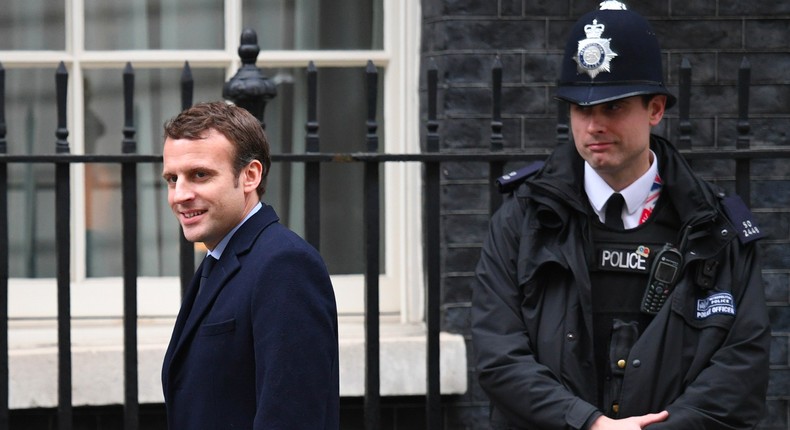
{"points": [[255, 342]]}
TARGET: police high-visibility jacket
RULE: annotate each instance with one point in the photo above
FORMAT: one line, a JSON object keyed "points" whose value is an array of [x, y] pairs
{"points": [[703, 357]]}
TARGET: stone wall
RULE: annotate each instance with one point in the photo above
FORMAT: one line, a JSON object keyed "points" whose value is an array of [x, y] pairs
{"points": [[463, 37]]}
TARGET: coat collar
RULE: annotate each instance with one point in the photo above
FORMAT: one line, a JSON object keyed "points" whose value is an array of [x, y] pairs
{"points": [[561, 180], [694, 199]]}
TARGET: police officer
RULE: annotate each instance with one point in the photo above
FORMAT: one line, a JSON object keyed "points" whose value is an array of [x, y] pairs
{"points": [[617, 289]]}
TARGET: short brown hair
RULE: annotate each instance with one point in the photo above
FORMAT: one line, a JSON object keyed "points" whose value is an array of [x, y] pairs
{"points": [[239, 126]]}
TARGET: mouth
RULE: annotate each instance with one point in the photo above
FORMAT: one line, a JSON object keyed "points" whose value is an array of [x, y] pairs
{"points": [[599, 146], [190, 215]]}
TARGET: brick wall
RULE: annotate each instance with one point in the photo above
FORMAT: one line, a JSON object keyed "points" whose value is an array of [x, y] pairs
{"points": [[464, 36]]}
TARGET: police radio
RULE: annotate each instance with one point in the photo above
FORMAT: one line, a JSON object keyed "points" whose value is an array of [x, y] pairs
{"points": [[664, 273]]}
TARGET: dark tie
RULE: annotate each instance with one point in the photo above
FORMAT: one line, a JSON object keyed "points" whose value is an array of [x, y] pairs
{"points": [[208, 264], [614, 211]]}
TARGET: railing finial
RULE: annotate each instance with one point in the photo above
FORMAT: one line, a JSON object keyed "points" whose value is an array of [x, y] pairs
{"points": [[744, 82], [497, 140], [61, 88], [372, 80], [128, 145], [249, 87], [187, 87], [684, 104], [432, 125]]}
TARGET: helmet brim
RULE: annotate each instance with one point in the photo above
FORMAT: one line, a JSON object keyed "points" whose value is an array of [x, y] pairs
{"points": [[588, 95]]}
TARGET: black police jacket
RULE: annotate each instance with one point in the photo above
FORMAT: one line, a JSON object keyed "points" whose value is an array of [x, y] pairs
{"points": [[532, 317]]}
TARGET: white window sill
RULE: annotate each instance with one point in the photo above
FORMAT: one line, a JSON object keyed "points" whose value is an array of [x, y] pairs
{"points": [[97, 361]]}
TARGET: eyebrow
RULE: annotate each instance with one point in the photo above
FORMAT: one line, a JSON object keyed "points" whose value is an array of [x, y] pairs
{"points": [[200, 168]]}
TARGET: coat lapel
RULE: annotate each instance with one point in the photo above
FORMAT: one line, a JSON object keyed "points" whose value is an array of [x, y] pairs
{"points": [[222, 272]]}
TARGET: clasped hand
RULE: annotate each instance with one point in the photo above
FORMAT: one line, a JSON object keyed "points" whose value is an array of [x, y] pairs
{"points": [[630, 423]]}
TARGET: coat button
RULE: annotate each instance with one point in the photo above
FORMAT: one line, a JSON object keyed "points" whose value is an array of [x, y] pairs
{"points": [[621, 364], [570, 336], [616, 408], [636, 363]]}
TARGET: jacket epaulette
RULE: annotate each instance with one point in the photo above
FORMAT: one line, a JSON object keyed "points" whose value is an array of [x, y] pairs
{"points": [[510, 181], [741, 218]]}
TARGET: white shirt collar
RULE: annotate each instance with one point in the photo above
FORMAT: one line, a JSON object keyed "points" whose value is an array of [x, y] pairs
{"points": [[598, 191]]}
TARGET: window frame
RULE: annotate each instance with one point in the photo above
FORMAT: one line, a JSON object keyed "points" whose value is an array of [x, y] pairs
{"points": [[401, 283]]}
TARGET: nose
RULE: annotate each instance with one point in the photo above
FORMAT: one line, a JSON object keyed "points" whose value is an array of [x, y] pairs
{"points": [[181, 192], [595, 123]]}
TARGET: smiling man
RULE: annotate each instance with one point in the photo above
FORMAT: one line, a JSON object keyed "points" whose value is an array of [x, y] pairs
{"points": [[617, 289], [255, 342]]}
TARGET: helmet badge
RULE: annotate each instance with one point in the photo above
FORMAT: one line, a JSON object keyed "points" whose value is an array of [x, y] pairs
{"points": [[594, 54], [612, 5]]}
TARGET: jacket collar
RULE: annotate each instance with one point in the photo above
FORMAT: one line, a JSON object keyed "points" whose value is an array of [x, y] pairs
{"points": [[561, 180], [694, 199]]}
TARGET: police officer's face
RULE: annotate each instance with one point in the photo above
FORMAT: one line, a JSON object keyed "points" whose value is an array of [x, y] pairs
{"points": [[614, 137], [203, 191]]}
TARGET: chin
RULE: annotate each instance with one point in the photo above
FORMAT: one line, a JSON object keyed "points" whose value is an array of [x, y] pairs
{"points": [[191, 236]]}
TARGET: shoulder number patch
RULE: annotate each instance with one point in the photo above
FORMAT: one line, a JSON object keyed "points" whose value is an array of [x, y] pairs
{"points": [[742, 218]]}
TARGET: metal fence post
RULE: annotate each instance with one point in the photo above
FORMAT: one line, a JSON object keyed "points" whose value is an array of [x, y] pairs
{"points": [[4, 374], [372, 239], [312, 168], [495, 168], [186, 250], [433, 259], [129, 220], [63, 247], [249, 87]]}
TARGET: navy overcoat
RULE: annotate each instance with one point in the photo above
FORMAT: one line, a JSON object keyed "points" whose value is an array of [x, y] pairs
{"points": [[257, 348]]}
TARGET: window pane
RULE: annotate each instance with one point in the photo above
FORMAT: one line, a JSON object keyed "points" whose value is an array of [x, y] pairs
{"points": [[154, 24], [309, 24], [342, 118], [32, 25], [342, 113], [31, 120], [157, 98]]}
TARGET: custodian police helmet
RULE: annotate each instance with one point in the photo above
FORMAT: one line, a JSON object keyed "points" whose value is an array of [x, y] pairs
{"points": [[612, 53]]}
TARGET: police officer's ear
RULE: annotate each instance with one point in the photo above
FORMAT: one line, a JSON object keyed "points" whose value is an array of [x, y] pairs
{"points": [[656, 108]]}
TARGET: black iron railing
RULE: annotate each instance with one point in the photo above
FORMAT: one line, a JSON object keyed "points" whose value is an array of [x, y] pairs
{"points": [[431, 159]]}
